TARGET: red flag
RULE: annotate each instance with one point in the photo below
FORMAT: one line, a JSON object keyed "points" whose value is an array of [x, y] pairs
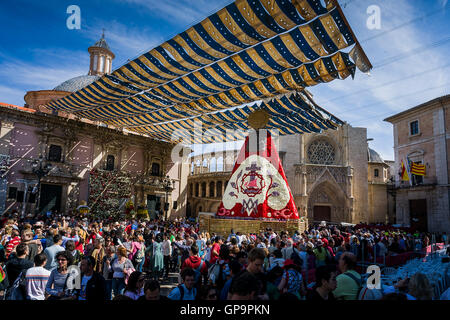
{"points": [[258, 187]]}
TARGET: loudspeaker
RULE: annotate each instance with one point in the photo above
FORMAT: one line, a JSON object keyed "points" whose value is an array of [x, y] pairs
{"points": [[175, 205]]}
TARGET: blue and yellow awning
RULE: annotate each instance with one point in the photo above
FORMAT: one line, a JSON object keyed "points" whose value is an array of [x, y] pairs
{"points": [[248, 51]]}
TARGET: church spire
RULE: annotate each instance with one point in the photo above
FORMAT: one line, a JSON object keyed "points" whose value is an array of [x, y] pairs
{"points": [[101, 57]]}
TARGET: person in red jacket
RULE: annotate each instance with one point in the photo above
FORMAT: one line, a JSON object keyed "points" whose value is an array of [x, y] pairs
{"points": [[13, 243], [215, 250], [196, 263], [326, 245]]}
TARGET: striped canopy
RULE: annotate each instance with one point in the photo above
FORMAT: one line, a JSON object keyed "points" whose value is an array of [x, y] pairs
{"points": [[250, 50]]}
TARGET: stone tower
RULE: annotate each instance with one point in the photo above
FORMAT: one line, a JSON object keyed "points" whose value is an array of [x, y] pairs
{"points": [[101, 58]]}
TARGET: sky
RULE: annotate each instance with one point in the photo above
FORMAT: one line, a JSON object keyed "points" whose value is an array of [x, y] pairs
{"points": [[409, 50]]}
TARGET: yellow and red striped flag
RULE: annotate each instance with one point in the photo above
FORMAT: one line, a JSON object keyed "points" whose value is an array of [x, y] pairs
{"points": [[417, 169]]}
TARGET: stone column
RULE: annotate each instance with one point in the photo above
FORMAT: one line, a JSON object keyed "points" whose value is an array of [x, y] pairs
{"points": [[98, 62], [304, 181], [345, 157], [349, 182]]}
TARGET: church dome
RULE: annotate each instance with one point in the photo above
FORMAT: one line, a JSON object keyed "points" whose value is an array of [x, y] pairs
{"points": [[374, 156], [75, 84]]}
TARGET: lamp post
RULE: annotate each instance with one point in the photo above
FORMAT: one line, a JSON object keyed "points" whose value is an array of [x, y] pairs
{"points": [[40, 168], [167, 185]]}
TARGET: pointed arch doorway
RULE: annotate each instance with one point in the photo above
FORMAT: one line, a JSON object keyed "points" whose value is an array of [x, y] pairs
{"points": [[328, 202]]}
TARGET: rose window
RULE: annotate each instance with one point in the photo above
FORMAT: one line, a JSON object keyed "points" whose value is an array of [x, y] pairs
{"points": [[321, 152]]}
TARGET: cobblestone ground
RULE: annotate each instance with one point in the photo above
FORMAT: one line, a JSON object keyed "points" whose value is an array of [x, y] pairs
{"points": [[168, 284]]}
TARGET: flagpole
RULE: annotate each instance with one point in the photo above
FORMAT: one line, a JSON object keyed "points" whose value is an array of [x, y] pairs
{"points": [[408, 170]]}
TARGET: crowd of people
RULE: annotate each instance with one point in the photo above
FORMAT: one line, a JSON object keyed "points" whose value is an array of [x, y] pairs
{"points": [[131, 259]]}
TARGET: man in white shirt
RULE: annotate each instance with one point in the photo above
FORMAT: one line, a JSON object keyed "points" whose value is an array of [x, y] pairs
{"points": [[167, 253], [36, 278]]}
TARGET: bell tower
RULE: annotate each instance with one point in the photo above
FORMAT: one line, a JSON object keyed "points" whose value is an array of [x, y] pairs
{"points": [[101, 57]]}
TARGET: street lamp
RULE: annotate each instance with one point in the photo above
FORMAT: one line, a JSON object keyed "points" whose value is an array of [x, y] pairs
{"points": [[167, 185], [40, 168]]}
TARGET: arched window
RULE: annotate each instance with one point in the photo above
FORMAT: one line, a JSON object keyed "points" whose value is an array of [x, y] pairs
{"points": [[213, 165], [196, 189], [155, 169], [220, 164], [102, 64], [95, 63], [205, 163], [321, 152], [192, 167], [204, 189], [219, 188], [110, 163], [376, 173], [191, 189], [211, 189]]}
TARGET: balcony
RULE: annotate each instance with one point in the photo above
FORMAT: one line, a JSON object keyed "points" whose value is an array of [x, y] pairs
{"points": [[427, 182]]}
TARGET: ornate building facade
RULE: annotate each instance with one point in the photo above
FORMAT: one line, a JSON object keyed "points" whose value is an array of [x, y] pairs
{"points": [[93, 163], [333, 176]]}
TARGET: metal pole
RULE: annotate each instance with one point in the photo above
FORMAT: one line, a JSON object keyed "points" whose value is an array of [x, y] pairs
{"points": [[36, 210], [24, 204]]}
